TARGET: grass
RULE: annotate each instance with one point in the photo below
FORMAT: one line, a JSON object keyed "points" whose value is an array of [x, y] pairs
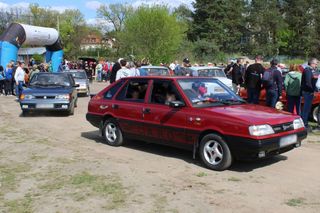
{"points": [[101, 186], [35, 157], [44, 141], [234, 179], [295, 202], [65, 160], [8, 175], [201, 174], [85, 185], [23, 205], [159, 204]]}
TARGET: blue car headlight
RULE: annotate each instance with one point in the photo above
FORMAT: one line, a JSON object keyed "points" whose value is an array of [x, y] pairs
{"points": [[63, 96], [27, 97]]}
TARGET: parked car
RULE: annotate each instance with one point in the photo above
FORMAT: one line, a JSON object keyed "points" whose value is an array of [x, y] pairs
{"points": [[81, 78], [194, 113], [215, 72], [50, 92], [154, 71]]}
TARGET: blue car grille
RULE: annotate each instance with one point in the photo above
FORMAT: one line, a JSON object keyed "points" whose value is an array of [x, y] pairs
{"points": [[45, 97]]}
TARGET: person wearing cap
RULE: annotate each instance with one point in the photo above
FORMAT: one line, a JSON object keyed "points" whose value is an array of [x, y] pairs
{"points": [[19, 78], [179, 70], [252, 80], [274, 88]]}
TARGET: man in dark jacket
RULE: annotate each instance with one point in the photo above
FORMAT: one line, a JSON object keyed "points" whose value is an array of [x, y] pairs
{"points": [[307, 89], [114, 71], [273, 86], [252, 79], [237, 75]]}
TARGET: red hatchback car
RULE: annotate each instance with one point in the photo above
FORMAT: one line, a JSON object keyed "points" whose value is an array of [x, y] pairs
{"points": [[199, 114]]}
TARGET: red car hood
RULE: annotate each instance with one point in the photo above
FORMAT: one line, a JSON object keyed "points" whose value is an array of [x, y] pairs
{"points": [[254, 114]]}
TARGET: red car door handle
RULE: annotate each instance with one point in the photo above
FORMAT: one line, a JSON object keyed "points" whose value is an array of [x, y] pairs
{"points": [[115, 106], [146, 110]]}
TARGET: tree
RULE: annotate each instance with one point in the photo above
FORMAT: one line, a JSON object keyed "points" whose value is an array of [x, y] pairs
{"points": [[72, 31], [220, 22], [115, 14], [152, 32], [9, 16], [265, 24], [299, 15]]}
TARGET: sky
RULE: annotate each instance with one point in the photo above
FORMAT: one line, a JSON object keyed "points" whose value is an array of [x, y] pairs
{"points": [[87, 7]]}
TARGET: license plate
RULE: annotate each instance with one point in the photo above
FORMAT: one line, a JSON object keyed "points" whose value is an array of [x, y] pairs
{"points": [[288, 140], [45, 106]]}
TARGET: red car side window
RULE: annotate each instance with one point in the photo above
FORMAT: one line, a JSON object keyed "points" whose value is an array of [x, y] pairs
{"points": [[135, 91], [113, 90], [164, 91]]}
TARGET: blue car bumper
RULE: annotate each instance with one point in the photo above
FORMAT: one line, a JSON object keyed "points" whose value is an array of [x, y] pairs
{"points": [[48, 105]]}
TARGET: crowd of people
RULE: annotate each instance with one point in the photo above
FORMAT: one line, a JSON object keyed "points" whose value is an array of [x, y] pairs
{"points": [[298, 83]]}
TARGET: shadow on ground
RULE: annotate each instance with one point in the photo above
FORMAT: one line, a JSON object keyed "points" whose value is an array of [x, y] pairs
{"points": [[166, 151], [45, 114]]}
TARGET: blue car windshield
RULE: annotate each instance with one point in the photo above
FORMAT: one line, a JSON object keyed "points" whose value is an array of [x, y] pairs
{"points": [[206, 92], [49, 79]]}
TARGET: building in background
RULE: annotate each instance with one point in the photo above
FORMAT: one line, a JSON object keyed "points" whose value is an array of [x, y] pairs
{"points": [[95, 41]]}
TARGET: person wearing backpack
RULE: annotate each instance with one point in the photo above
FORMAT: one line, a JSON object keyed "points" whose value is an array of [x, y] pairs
{"points": [[252, 80], [292, 85], [272, 82]]}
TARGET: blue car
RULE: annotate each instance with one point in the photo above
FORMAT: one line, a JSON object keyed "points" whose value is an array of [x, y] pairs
{"points": [[50, 92]]}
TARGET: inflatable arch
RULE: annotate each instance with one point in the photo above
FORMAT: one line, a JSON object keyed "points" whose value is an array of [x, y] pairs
{"points": [[18, 34]]}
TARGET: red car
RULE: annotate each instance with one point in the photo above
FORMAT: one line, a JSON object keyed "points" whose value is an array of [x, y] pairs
{"points": [[196, 113]]}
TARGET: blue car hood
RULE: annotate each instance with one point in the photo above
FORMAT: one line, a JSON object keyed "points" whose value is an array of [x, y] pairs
{"points": [[46, 90]]}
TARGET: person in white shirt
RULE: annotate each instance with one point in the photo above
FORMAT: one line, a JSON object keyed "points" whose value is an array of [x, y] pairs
{"points": [[124, 71], [19, 78]]}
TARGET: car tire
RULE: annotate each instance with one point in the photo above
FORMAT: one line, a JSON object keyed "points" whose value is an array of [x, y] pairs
{"points": [[112, 133], [315, 113], [215, 153]]}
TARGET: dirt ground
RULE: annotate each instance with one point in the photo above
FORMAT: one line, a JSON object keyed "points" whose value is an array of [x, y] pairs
{"points": [[53, 163]]}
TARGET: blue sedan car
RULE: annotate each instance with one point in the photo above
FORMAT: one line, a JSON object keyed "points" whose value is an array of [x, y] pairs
{"points": [[50, 92]]}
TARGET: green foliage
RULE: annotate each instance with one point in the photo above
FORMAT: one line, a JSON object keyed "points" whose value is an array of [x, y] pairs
{"points": [[299, 17], [38, 58], [265, 23], [220, 23], [152, 32]]}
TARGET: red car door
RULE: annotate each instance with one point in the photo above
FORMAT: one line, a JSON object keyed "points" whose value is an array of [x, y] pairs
{"points": [[164, 124], [128, 105]]}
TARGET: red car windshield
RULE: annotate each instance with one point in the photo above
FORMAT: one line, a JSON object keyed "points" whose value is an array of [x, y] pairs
{"points": [[208, 92]]}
